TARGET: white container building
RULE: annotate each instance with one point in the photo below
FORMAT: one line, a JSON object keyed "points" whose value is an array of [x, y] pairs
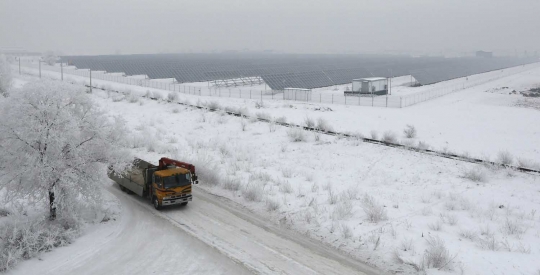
{"points": [[297, 94], [371, 85]]}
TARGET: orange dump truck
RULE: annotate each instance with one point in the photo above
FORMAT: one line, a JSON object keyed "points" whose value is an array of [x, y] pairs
{"points": [[169, 183]]}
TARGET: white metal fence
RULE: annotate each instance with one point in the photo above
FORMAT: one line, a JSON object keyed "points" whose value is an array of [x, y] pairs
{"points": [[392, 101]]}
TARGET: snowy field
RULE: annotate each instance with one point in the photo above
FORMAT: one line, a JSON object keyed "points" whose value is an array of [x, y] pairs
{"points": [[388, 207]]}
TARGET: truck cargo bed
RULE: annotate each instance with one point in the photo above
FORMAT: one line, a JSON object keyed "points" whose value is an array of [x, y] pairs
{"points": [[134, 179]]}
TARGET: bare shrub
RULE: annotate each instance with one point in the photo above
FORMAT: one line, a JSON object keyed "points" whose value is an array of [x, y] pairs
{"points": [[343, 210], [504, 157], [346, 231], [272, 126], [296, 135], [468, 234], [172, 97], [436, 254], [352, 193], [374, 211], [407, 244], [285, 187], [489, 243], [409, 131], [323, 125], [512, 227], [259, 105], [389, 137], [332, 197], [253, 192], [272, 205], [232, 184], [436, 226], [288, 172], [476, 174], [309, 122]]}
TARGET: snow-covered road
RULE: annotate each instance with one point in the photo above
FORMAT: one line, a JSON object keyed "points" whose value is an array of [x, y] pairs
{"points": [[144, 241], [138, 243]]}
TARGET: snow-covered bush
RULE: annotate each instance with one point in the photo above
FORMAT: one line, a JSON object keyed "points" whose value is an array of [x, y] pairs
{"points": [[232, 184], [374, 134], [253, 192], [272, 205], [296, 135], [389, 137], [25, 237], [409, 131], [264, 115], [285, 187], [436, 254], [172, 97], [281, 119], [309, 122], [213, 105], [476, 174], [5, 77], [374, 211], [504, 157], [323, 125], [343, 210], [55, 145]]}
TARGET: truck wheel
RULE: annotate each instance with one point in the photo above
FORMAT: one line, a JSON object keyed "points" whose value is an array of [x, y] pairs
{"points": [[122, 188], [155, 201], [184, 203]]}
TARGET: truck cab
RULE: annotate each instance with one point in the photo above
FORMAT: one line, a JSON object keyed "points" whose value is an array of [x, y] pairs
{"points": [[171, 186]]}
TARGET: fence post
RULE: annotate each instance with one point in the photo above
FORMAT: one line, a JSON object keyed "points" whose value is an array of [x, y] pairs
{"points": [[61, 70], [400, 102], [372, 100], [249, 94], [90, 80], [386, 101], [345, 100]]}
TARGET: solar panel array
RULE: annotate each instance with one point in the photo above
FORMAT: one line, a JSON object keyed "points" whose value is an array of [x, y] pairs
{"points": [[290, 70]]}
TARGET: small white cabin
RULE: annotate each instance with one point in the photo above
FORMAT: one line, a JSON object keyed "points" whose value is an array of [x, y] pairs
{"points": [[370, 85], [297, 94]]}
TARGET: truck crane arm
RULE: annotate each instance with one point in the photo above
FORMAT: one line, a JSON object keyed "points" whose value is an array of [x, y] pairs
{"points": [[163, 162]]}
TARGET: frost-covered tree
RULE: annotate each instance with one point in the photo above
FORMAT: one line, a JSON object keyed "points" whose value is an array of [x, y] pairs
{"points": [[55, 146], [5, 76]]}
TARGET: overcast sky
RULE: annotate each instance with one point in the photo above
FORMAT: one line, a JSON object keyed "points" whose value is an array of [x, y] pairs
{"points": [[299, 26]]}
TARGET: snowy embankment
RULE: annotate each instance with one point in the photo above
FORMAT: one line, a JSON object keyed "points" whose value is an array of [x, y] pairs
{"points": [[393, 208]]}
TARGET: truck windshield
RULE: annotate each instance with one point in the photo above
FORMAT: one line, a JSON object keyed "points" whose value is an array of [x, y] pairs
{"points": [[176, 180]]}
